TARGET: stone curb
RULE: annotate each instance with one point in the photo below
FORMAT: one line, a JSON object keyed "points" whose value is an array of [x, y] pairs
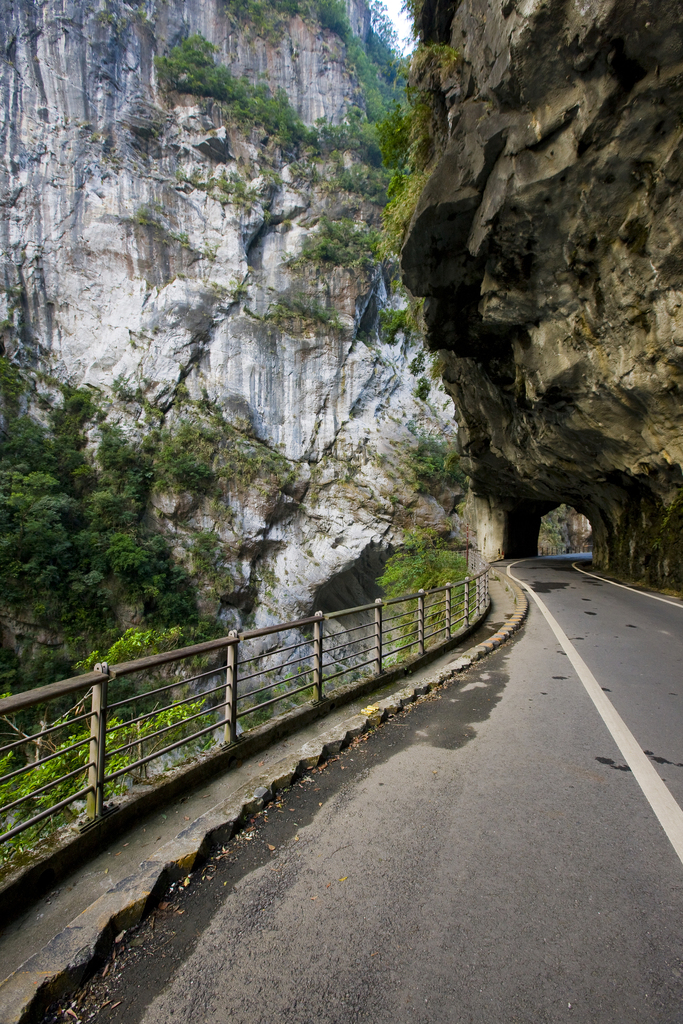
{"points": [[71, 955]]}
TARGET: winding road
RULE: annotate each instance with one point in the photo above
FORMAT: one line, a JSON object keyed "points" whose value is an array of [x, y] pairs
{"points": [[495, 854]]}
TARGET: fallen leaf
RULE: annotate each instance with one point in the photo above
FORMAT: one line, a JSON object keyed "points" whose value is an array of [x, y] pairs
{"points": [[164, 906], [105, 972], [296, 839], [328, 885], [119, 937], [125, 845], [106, 871], [114, 1005], [292, 808], [105, 1003], [270, 847], [187, 817], [261, 764], [70, 1011], [180, 911], [344, 878], [186, 881], [314, 897], [118, 854], [319, 803], [375, 954]]}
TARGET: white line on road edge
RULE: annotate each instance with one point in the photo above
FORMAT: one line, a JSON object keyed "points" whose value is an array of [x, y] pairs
{"points": [[658, 796], [634, 590]]}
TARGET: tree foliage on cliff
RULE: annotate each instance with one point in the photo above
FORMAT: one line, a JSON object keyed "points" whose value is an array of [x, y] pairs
{"points": [[339, 243], [424, 562], [374, 59], [409, 138], [191, 68], [77, 542]]}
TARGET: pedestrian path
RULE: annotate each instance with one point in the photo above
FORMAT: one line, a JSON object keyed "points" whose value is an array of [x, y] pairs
{"points": [[95, 896]]}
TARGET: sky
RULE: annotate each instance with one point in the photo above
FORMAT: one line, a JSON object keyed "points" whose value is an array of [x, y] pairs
{"points": [[401, 23]]}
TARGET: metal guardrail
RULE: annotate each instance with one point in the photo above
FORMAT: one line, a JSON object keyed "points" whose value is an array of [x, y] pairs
{"points": [[563, 549], [147, 710]]}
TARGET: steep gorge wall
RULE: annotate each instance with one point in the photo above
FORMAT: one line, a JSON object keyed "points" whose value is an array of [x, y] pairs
{"points": [[147, 248], [548, 242]]}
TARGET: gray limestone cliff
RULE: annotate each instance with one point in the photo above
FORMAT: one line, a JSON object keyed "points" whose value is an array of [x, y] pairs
{"points": [[548, 242], [149, 256]]}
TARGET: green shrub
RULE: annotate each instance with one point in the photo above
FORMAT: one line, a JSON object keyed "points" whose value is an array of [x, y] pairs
{"points": [[368, 182], [209, 563], [301, 312], [184, 458], [422, 389], [225, 188], [263, 18], [403, 193], [417, 365], [339, 243], [433, 461], [135, 643], [12, 385], [424, 563], [355, 134], [391, 323]]}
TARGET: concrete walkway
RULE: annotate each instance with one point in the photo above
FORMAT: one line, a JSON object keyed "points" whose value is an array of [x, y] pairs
{"points": [[111, 892]]}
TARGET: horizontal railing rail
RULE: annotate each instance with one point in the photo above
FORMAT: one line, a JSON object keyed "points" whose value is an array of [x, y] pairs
{"points": [[564, 549], [68, 762]]}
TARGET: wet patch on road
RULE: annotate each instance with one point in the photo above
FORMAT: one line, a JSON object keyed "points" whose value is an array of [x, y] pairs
{"points": [[612, 764], [662, 760], [547, 587]]}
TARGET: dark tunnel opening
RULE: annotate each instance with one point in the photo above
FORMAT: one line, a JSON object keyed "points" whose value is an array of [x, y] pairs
{"points": [[535, 528]]}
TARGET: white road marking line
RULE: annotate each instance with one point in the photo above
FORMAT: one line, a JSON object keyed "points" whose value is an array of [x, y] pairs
{"points": [[634, 590], [668, 812]]}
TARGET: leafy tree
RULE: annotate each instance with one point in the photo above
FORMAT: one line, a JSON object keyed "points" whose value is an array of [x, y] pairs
{"points": [[424, 562]]}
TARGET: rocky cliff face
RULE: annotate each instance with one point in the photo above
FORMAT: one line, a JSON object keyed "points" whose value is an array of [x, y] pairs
{"points": [[549, 244], [149, 249]]}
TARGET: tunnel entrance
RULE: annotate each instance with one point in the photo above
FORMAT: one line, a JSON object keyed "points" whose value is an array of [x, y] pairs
{"points": [[544, 528], [523, 526]]}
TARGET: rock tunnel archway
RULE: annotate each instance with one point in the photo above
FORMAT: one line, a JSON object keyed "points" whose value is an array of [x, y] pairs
{"points": [[509, 528]]}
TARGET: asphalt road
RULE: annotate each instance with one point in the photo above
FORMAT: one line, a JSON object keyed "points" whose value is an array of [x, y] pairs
{"points": [[484, 857]]}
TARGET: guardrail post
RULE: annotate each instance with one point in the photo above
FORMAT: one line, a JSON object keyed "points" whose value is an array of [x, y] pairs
{"points": [[466, 619], [378, 635], [230, 735], [318, 655], [486, 588], [420, 621], [449, 610], [98, 744]]}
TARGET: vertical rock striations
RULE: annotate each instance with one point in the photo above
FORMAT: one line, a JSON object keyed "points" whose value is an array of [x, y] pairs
{"points": [[206, 277], [548, 242]]}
